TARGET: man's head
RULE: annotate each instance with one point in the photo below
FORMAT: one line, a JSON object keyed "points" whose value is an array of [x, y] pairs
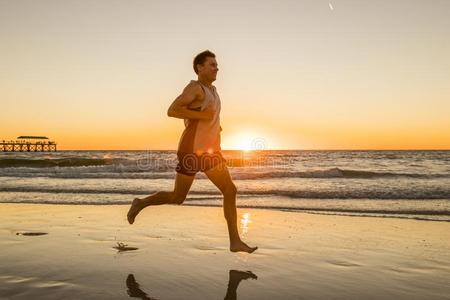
{"points": [[205, 65]]}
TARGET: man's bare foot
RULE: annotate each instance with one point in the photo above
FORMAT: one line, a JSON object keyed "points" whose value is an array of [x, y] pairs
{"points": [[240, 246], [237, 276], [134, 210]]}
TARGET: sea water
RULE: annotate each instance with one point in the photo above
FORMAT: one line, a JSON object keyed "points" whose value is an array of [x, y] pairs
{"points": [[404, 184]]}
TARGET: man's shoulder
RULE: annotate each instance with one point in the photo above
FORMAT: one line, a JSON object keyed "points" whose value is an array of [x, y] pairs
{"points": [[194, 87]]}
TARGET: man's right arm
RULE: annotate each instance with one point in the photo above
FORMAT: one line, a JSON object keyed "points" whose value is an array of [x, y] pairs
{"points": [[179, 107]]}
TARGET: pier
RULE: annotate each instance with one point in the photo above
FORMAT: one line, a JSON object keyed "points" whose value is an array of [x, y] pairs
{"points": [[25, 143]]}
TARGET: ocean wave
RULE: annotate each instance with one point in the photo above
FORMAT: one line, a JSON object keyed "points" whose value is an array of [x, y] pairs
{"points": [[400, 194], [54, 162], [112, 171], [334, 173], [426, 214], [342, 210], [423, 215]]}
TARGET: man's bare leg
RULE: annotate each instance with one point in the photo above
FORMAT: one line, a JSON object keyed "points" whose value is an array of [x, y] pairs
{"points": [[220, 176], [235, 277], [182, 185]]}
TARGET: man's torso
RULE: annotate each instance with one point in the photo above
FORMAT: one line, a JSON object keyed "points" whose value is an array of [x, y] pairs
{"points": [[202, 136]]}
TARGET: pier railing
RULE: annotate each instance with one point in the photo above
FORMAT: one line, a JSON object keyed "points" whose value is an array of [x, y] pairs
{"points": [[27, 146]]}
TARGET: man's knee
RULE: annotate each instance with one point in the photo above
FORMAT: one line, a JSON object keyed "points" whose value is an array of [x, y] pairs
{"points": [[178, 199], [230, 190]]}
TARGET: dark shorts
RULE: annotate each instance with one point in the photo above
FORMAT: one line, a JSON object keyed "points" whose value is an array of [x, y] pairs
{"points": [[190, 163]]}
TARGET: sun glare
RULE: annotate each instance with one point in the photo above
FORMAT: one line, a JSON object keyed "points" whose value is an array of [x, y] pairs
{"points": [[246, 141], [245, 221]]}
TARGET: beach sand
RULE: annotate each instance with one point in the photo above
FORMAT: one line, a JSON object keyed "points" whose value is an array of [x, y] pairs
{"points": [[183, 254]]}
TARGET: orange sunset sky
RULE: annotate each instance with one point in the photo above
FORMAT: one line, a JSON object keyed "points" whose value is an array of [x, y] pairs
{"points": [[293, 74]]}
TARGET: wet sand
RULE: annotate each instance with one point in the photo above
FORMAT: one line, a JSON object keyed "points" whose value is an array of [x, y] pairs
{"points": [[182, 253]]}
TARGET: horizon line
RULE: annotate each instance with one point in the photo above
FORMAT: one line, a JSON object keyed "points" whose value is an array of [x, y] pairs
{"points": [[244, 150]]}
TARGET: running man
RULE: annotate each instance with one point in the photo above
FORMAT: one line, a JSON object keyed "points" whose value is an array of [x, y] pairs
{"points": [[199, 148]]}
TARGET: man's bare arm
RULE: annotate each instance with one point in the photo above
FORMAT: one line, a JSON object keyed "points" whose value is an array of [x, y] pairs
{"points": [[179, 107]]}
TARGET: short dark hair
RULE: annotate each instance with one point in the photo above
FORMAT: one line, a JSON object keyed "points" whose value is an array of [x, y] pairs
{"points": [[201, 58]]}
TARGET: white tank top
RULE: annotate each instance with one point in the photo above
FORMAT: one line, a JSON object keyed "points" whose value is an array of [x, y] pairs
{"points": [[200, 136]]}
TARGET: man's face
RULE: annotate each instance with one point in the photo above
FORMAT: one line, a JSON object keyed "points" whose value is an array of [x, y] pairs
{"points": [[209, 69]]}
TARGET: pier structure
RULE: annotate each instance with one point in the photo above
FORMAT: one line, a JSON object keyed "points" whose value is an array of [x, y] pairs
{"points": [[26, 143]]}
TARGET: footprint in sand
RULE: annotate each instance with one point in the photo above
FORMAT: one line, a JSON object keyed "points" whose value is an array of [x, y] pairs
{"points": [[207, 248], [31, 233], [339, 263]]}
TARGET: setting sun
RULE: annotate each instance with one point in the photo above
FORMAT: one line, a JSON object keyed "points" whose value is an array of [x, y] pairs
{"points": [[246, 140]]}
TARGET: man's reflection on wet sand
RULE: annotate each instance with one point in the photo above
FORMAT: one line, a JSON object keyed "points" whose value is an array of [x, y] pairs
{"points": [[234, 278], [134, 290]]}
